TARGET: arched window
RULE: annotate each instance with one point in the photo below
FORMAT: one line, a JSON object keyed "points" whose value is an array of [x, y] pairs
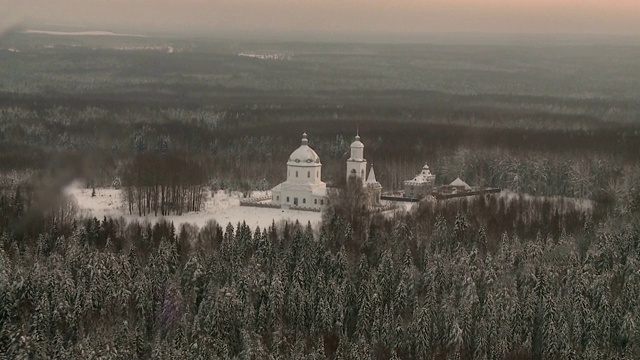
{"points": [[296, 173], [321, 202], [308, 174], [315, 201], [304, 201], [287, 199], [278, 198]]}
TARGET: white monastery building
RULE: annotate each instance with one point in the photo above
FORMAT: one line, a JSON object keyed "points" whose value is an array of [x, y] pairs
{"points": [[421, 185], [374, 188], [460, 185], [304, 187]]}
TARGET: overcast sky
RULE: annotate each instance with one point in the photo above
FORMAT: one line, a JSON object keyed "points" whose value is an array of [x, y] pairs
{"points": [[362, 16]]}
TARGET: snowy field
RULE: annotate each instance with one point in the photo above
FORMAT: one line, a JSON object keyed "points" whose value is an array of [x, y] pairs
{"points": [[266, 56], [79, 33], [221, 207]]}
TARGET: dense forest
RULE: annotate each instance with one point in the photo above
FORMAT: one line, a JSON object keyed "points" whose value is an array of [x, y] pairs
{"points": [[247, 149], [407, 287], [548, 269]]}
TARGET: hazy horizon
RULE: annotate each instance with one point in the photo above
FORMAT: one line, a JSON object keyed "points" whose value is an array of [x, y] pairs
{"points": [[324, 18]]}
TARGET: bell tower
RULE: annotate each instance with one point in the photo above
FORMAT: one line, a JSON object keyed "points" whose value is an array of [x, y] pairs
{"points": [[357, 164]]}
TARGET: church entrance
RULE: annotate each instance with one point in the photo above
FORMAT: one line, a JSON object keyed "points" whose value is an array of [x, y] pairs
{"points": [[295, 201]]}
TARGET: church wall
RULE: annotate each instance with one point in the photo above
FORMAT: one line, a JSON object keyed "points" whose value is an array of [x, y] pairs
{"points": [[304, 174], [373, 195], [304, 187], [359, 168], [304, 198], [417, 191]]}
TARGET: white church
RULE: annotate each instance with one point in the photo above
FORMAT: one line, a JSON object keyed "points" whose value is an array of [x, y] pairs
{"points": [[304, 187]]}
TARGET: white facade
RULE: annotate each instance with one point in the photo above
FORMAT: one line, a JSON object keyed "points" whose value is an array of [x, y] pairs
{"points": [[421, 185], [374, 188], [357, 164], [304, 187], [357, 168]]}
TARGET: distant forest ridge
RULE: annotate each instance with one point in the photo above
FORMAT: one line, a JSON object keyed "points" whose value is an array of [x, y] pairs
{"points": [[211, 67]]}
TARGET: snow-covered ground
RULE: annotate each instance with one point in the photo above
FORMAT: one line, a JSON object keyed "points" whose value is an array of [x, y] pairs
{"points": [[221, 207], [79, 33], [266, 56]]}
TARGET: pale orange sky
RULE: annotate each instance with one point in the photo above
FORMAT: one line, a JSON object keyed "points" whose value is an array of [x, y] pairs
{"points": [[395, 16]]}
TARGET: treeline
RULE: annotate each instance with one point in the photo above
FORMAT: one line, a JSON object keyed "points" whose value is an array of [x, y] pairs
{"points": [[167, 157], [244, 147], [397, 291], [163, 185], [516, 215], [486, 218], [213, 73]]}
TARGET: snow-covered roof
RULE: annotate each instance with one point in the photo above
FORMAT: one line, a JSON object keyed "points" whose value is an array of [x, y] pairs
{"points": [[314, 188], [424, 177], [321, 191], [371, 179], [304, 155], [357, 143], [459, 183]]}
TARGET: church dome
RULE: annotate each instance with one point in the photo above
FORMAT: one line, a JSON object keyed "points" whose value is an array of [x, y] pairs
{"points": [[304, 155], [357, 143]]}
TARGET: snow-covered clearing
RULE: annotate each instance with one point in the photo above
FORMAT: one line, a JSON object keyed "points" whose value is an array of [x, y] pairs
{"points": [[266, 56], [222, 207], [79, 33]]}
